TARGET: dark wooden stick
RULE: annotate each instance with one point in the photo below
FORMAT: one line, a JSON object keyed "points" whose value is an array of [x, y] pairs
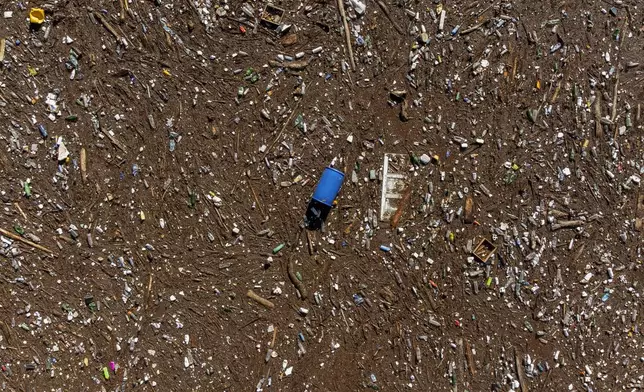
{"points": [[385, 10], [262, 301], [25, 241], [296, 282], [347, 33]]}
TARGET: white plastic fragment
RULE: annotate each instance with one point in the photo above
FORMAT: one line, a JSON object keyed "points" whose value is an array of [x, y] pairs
{"points": [[587, 278]]}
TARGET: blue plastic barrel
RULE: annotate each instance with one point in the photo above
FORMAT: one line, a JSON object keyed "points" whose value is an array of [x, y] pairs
{"points": [[328, 186]]}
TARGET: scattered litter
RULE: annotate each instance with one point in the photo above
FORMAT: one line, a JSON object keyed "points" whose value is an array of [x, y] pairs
{"points": [[414, 195]]}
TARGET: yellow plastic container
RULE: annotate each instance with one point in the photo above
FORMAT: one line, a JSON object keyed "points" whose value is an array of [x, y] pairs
{"points": [[37, 16]]}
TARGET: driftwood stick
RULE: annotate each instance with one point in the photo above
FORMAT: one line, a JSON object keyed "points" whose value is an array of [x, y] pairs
{"points": [[616, 88], [599, 132], [21, 211], [25, 241], [107, 25], [279, 135], [522, 380], [385, 10], [292, 65], [296, 282], [470, 359], [347, 33], [567, 224], [614, 108], [310, 242], [262, 301], [83, 164], [473, 28], [2, 48]]}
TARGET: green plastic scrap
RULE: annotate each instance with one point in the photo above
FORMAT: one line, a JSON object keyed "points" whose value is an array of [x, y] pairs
{"points": [[192, 201], [299, 121], [532, 115], [510, 177], [251, 75], [92, 307], [278, 248], [27, 187]]}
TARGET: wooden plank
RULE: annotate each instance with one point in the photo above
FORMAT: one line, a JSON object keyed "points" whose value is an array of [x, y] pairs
{"points": [[3, 43], [639, 213]]}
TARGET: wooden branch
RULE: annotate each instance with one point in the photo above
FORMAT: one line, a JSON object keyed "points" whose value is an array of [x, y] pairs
{"points": [[25, 241], [83, 164], [385, 10], [107, 25], [347, 33], [3, 43], [567, 224], [522, 380], [262, 301], [599, 132], [296, 282]]}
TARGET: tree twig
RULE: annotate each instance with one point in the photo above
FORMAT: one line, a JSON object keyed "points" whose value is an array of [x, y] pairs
{"points": [[296, 282], [566, 224], [522, 380], [615, 89], [279, 135], [25, 241], [262, 301], [347, 33], [599, 132], [83, 164], [385, 10]]}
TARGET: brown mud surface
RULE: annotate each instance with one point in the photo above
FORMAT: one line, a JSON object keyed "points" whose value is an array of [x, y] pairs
{"points": [[179, 189]]}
